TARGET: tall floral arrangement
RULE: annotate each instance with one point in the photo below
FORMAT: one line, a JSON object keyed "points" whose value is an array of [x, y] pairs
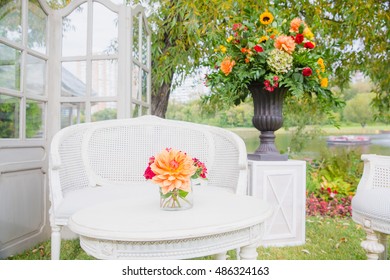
{"points": [[275, 52]]}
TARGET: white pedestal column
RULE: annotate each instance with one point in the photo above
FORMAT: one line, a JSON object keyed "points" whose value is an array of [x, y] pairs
{"points": [[283, 184]]}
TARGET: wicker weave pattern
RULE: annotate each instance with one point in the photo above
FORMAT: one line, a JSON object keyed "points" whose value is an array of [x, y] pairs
{"points": [[72, 172], [119, 151], [371, 204], [381, 177]]}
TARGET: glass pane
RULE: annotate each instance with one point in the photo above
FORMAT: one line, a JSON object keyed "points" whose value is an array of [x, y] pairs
{"points": [[101, 111], [104, 77], [74, 32], [144, 85], [135, 82], [35, 75], [145, 111], [73, 79], [9, 67], [135, 108], [72, 113], [35, 116], [144, 45], [37, 24], [136, 36], [9, 116], [105, 30], [11, 20]]}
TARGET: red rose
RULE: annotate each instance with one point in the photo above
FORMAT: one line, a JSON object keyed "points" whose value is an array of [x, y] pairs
{"points": [[299, 38], [309, 45], [307, 72], [257, 48]]}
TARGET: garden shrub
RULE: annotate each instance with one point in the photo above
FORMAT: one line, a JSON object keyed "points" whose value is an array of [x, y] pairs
{"points": [[332, 182]]}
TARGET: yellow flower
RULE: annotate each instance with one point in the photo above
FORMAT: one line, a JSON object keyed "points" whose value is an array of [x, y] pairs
{"points": [[263, 39], [229, 39], [324, 82], [222, 48], [307, 33], [266, 18], [321, 64]]}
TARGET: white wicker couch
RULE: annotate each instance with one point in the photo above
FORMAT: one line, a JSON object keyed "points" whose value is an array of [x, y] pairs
{"points": [[371, 205], [85, 156]]}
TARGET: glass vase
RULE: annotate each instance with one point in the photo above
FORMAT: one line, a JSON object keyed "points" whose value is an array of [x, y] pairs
{"points": [[176, 200]]}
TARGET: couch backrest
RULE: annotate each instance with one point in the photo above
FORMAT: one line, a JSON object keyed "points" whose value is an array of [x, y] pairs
{"points": [[376, 171], [117, 151]]}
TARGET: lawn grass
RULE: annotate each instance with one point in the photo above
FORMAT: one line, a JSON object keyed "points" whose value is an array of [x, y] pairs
{"points": [[326, 239]]}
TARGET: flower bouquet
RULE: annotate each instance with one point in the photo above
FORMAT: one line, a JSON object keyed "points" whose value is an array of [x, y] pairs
{"points": [[268, 58], [173, 170], [270, 51]]}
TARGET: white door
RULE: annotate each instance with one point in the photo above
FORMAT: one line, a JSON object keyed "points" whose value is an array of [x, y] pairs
{"points": [[23, 113]]}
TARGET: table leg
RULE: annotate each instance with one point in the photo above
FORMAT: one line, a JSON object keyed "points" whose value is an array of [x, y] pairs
{"points": [[249, 252]]}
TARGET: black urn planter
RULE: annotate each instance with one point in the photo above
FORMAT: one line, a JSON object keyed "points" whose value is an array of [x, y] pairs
{"points": [[267, 119]]}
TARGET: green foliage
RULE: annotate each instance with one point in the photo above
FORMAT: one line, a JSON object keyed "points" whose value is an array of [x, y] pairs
{"points": [[9, 118], [238, 116], [338, 173], [33, 119], [106, 114], [358, 109], [10, 115]]}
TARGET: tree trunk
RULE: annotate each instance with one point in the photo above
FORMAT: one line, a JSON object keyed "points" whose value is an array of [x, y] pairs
{"points": [[160, 98]]}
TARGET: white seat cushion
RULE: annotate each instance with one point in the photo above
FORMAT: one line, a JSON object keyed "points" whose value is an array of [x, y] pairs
{"points": [[373, 203], [86, 197]]}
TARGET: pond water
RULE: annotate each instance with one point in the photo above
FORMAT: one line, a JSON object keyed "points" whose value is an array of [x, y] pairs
{"points": [[380, 144]]}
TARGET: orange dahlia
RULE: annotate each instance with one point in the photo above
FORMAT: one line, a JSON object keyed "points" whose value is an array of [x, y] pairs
{"points": [[285, 43], [295, 24], [173, 170], [227, 65]]}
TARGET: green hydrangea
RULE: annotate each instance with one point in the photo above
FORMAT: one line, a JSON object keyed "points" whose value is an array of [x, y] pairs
{"points": [[279, 61]]}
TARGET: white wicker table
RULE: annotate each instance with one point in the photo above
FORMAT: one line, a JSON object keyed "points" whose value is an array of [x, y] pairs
{"points": [[135, 227]]}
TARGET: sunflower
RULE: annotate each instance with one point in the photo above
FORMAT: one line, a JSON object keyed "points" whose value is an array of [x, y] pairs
{"points": [[263, 39], [266, 18]]}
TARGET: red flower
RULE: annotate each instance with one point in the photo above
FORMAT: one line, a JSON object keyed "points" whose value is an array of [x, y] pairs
{"points": [[236, 26], [307, 72], [299, 38], [149, 174], [309, 45], [276, 78], [257, 48], [267, 83]]}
